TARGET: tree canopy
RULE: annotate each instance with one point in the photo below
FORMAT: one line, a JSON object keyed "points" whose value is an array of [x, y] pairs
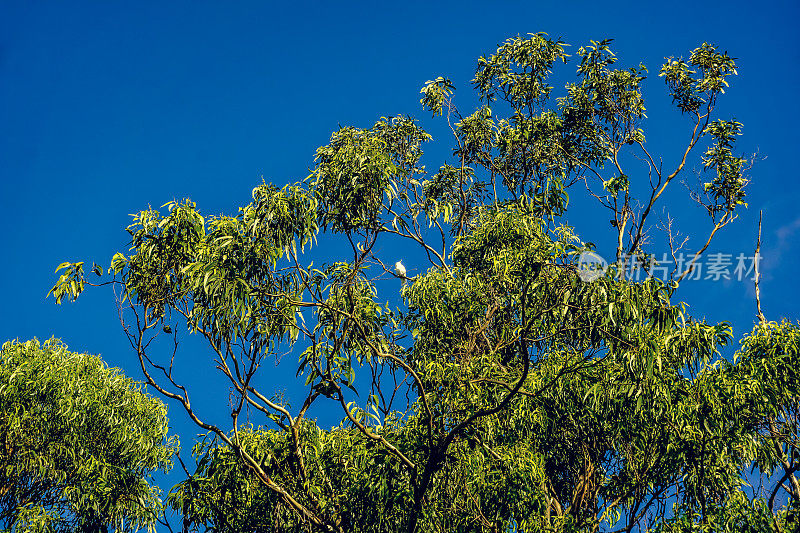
{"points": [[504, 391], [80, 443]]}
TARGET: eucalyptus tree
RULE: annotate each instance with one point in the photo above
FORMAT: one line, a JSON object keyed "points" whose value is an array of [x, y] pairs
{"points": [[80, 443], [507, 390]]}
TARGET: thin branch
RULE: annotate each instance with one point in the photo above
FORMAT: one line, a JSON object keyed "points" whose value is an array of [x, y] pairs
{"points": [[756, 261]]}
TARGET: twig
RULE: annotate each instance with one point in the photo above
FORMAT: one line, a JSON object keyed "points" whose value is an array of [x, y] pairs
{"points": [[756, 261]]}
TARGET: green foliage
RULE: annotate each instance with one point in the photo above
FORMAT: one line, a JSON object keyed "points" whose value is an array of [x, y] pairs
{"points": [[692, 89], [360, 167], [506, 392], [518, 72], [70, 284], [737, 514], [342, 470], [435, 93], [79, 443], [727, 188]]}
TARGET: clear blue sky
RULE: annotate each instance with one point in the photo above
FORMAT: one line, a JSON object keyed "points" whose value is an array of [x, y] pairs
{"points": [[108, 107]]}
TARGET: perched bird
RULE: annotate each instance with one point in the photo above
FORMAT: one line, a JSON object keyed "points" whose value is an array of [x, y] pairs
{"points": [[400, 270]]}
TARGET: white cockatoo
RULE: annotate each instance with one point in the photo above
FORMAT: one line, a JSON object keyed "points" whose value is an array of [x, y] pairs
{"points": [[400, 270]]}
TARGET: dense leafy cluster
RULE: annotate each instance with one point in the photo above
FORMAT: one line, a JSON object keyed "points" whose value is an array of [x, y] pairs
{"points": [[80, 443]]}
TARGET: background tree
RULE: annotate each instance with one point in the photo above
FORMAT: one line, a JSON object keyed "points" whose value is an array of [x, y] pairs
{"points": [[80, 443], [507, 391]]}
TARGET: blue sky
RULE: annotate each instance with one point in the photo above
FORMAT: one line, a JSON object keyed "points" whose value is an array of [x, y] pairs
{"points": [[108, 107]]}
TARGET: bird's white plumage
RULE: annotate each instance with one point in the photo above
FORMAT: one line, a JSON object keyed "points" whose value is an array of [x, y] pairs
{"points": [[399, 269]]}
